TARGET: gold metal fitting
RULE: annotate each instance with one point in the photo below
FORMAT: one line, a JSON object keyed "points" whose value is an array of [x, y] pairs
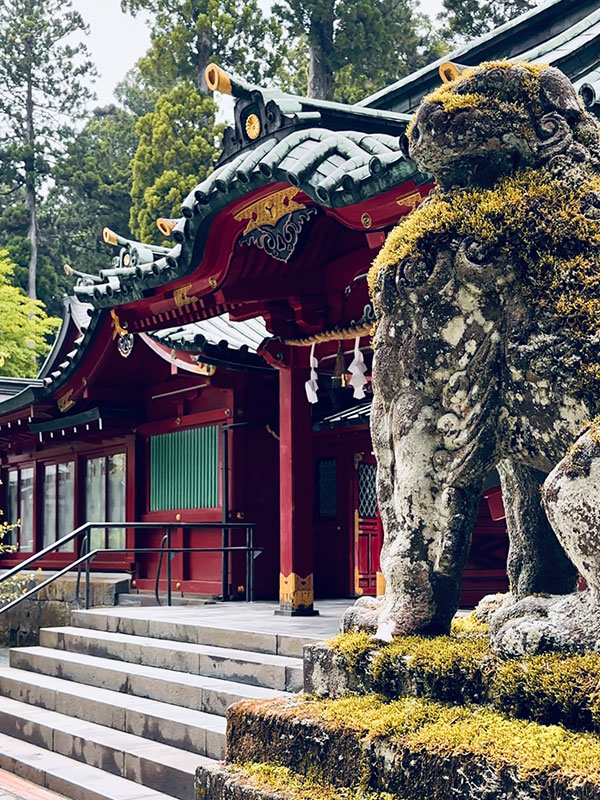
{"points": [[252, 126], [449, 72], [217, 80], [178, 585], [178, 517], [213, 282], [366, 220], [165, 226], [110, 237]]}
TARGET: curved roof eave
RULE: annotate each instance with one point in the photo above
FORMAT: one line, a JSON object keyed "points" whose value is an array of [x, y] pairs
{"points": [[333, 168]]}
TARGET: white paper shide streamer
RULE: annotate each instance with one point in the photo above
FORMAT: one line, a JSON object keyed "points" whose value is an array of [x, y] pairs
{"points": [[312, 386], [357, 369]]}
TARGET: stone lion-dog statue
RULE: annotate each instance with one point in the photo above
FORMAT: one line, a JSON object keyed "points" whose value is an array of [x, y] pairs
{"points": [[487, 355]]}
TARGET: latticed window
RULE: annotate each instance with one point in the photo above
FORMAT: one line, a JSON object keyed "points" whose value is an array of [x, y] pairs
{"points": [[184, 469], [367, 495], [327, 488]]}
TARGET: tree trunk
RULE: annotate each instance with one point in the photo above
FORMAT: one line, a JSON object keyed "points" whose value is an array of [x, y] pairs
{"points": [[204, 51], [320, 72], [30, 198]]}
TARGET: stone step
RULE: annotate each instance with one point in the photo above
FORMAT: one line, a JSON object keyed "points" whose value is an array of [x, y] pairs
{"points": [[218, 633], [197, 692], [258, 669], [147, 599], [67, 776], [187, 729], [156, 766]]}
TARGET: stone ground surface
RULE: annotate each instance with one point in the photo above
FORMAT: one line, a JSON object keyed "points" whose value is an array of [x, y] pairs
{"points": [[4, 656], [256, 617], [14, 788]]}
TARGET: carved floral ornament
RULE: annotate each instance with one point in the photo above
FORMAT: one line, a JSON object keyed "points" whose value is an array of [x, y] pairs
{"points": [[275, 222]]}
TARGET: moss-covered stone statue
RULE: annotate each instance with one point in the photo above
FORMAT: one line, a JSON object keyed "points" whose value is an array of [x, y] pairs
{"points": [[487, 354]]}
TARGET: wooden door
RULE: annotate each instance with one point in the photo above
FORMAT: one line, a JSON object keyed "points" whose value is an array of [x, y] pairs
{"points": [[367, 525]]}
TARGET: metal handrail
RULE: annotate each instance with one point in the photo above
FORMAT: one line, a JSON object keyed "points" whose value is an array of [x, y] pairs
{"points": [[88, 556]]}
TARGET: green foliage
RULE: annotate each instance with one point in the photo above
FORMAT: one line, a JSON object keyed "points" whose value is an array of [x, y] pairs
{"points": [[176, 150], [356, 48], [467, 19], [43, 90], [92, 189], [24, 327], [188, 35]]}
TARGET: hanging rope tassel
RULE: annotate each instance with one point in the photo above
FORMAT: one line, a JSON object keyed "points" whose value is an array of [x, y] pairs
{"points": [[340, 368], [357, 369], [312, 385]]}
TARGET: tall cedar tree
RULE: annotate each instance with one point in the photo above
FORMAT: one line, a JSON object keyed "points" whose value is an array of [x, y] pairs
{"points": [[467, 19], [188, 34], [356, 47], [92, 189], [177, 146], [43, 90]]}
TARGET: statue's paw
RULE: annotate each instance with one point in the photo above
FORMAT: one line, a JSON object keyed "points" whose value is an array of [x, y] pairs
{"points": [[567, 623], [362, 616]]}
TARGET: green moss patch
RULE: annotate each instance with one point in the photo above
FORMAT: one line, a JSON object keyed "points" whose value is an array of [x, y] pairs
{"points": [[414, 748], [551, 688], [289, 785]]}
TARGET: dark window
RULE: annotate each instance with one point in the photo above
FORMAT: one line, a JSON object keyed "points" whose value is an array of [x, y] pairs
{"points": [[367, 496], [105, 485], [327, 488]]}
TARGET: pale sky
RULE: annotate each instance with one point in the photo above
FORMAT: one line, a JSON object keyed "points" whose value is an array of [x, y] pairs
{"points": [[117, 40]]}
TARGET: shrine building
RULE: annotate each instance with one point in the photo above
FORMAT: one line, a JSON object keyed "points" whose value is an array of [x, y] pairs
{"points": [[225, 377]]}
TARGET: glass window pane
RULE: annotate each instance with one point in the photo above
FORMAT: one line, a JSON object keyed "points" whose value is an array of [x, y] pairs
{"points": [[66, 502], [49, 504], [12, 509], [95, 507], [116, 499], [26, 530], [327, 488]]}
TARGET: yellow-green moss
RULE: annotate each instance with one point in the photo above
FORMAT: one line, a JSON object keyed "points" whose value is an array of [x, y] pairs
{"points": [[290, 784], [535, 220], [469, 625], [414, 722], [354, 646]]}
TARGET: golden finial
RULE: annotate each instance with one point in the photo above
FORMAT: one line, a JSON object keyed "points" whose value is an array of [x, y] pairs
{"points": [[449, 71], [217, 80], [165, 226], [110, 237]]}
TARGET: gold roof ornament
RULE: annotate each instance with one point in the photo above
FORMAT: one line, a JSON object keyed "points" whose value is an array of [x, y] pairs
{"points": [[252, 126], [165, 226], [449, 71], [110, 237], [217, 80]]}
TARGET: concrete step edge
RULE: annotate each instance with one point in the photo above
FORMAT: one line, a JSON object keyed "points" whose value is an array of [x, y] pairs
{"points": [[208, 632], [201, 693], [167, 724], [201, 649], [115, 752], [66, 776]]}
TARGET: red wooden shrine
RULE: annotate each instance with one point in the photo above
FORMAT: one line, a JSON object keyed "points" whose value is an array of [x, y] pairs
{"points": [[176, 390]]}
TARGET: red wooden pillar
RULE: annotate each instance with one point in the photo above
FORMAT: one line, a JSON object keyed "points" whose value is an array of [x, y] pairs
{"points": [[296, 592]]}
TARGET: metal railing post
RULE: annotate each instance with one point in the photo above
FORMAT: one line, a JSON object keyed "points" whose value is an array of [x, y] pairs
{"points": [[169, 557]]}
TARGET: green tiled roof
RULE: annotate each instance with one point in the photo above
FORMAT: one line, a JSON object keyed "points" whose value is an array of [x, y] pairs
{"points": [[334, 168], [563, 33]]}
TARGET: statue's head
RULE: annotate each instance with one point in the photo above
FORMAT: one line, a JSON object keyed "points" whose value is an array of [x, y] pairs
{"points": [[492, 119]]}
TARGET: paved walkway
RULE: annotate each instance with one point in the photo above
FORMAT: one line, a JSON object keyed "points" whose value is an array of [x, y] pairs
{"points": [[14, 788], [256, 617]]}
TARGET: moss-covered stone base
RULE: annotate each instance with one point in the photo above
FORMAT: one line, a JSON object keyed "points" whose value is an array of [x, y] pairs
{"points": [[412, 748], [260, 781], [550, 688]]}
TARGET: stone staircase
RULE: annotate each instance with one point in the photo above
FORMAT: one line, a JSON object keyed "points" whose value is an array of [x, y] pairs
{"points": [[126, 708]]}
